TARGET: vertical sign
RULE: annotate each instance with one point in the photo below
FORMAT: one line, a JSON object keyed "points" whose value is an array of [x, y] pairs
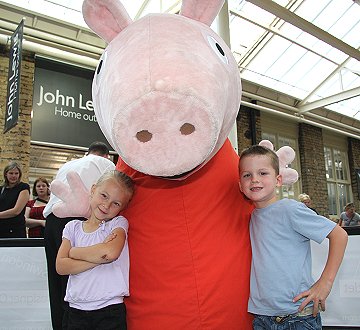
{"points": [[13, 83]]}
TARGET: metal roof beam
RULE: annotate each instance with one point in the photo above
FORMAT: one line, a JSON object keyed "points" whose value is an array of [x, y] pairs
{"points": [[277, 32], [301, 119], [141, 9], [330, 100], [293, 19], [325, 81]]}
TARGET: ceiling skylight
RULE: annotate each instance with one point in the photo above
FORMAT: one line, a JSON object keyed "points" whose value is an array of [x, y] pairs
{"points": [[270, 51]]}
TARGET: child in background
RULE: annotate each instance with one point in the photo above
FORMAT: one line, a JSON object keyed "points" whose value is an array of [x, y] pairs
{"points": [[283, 294], [34, 218], [95, 255]]}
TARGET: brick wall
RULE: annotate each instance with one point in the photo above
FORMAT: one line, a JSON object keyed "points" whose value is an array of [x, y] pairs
{"points": [[354, 164], [313, 175], [245, 127], [15, 144]]}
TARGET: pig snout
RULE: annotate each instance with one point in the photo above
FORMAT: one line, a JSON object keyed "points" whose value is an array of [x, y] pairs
{"points": [[145, 136], [165, 136]]}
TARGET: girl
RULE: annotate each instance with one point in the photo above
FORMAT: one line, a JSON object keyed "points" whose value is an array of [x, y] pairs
{"points": [[95, 255], [34, 218]]}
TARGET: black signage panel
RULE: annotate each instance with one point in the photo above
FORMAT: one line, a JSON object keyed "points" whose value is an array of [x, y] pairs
{"points": [[62, 106], [13, 82]]}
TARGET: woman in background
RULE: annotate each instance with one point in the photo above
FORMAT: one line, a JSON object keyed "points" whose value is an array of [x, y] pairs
{"points": [[34, 218], [13, 198], [349, 217]]}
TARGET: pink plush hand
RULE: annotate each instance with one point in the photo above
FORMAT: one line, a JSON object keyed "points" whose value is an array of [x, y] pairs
{"points": [[74, 197], [286, 156]]}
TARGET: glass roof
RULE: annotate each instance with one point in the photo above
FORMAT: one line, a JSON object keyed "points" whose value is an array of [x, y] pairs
{"points": [[308, 49], [281, 56]]}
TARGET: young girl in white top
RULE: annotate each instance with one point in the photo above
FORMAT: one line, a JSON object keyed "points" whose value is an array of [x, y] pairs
{"points": [[95, 255]]}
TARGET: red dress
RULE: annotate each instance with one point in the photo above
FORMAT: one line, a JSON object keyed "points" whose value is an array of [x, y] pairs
{"points": [[189, 249], [36, 212]]}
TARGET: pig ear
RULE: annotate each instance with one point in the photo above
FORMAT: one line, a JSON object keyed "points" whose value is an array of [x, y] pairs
{"points": [[203, 11], [107, 18]]}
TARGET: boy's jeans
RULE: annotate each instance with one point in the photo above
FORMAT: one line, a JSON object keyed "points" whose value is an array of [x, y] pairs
{"points": [[291, 322]]}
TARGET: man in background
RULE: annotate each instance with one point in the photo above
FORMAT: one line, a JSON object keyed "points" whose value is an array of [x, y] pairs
{"points": [[89, 168]]}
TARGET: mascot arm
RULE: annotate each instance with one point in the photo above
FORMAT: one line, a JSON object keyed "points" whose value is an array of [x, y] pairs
{"points": [[74, 197]]}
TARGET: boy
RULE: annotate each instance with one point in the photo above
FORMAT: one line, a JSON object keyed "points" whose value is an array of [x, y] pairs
{"points": [[282, 292]]}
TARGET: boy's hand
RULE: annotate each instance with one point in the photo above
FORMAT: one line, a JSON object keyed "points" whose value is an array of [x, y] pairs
{"points": [[317, 294]]}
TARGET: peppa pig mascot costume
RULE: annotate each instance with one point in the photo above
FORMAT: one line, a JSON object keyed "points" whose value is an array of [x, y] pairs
{"points": [[166, 94]]}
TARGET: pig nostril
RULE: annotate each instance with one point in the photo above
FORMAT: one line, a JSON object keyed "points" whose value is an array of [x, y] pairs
{"points": [[187, 129], [144, 136]]}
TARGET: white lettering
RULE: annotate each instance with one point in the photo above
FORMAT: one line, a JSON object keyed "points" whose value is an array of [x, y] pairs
{"points": [[14, 63], [13, 86], [88, 117], [62, 97], [12, 90], [67, 114], [63, 100], [80, 102], [88, 104], [9, 112], [49, 97], [41, 96]]}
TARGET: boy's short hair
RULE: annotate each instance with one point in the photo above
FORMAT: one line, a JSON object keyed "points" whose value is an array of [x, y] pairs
{"points": [[257, 150]]}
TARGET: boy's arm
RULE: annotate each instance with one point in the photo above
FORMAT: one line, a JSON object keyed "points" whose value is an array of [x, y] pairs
{"points": [[66, 265], [321, 289], [101, 253]]}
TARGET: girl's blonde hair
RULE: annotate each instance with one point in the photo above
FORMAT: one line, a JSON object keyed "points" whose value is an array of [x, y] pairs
{"points": [[304, 197], [120, 177]]}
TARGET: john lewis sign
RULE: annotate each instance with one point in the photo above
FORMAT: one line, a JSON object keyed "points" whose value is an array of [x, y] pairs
{"points": [[63, 111]]}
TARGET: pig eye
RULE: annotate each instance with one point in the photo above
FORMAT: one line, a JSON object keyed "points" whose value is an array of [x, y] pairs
{"points": [[99, 68], [217, 49]]}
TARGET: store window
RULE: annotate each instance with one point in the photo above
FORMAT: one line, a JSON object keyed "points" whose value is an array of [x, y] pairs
{"points": [[338, 179], [278, 141]]}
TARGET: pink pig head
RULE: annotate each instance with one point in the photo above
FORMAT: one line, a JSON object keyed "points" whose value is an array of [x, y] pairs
{"points": [[167, 89]]}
